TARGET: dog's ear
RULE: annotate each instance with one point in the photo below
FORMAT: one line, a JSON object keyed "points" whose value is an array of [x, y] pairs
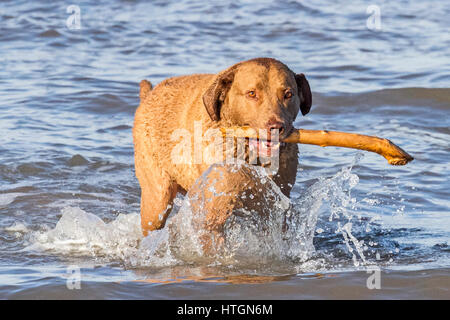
{"points": [[305, 91], [216, 93]]}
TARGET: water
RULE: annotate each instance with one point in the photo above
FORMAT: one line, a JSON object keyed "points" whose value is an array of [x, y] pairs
{"points": [[69, 196]]}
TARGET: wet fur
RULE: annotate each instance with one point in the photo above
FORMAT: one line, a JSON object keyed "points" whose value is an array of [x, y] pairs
{"points": [[216, 100]]}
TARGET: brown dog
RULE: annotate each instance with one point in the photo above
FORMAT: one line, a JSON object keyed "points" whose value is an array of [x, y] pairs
{"points": [[262, 93]]}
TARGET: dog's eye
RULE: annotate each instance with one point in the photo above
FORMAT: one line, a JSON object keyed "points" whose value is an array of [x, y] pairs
{"points": [[251, 94], [288, 95]]}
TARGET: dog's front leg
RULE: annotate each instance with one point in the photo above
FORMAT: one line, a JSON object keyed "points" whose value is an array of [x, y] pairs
{"points": [[157, 193], [156, 202]]}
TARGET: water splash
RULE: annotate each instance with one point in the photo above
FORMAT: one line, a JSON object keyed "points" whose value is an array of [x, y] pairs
{"points": [[284, 237]]}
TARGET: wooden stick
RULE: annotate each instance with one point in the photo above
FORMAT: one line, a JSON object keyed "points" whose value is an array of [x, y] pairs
{"points": [[324, 138]]}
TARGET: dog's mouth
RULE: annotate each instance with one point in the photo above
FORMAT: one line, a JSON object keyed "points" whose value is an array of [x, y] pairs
{"points": [[264, 148]]}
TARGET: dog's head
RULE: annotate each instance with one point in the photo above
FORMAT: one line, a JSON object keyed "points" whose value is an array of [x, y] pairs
{"points": [[262, 93]]}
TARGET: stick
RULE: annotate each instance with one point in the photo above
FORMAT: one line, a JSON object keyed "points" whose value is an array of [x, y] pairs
{"points": [[324, 138]]}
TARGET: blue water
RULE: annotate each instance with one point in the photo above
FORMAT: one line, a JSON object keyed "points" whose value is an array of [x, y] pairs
{"points": [[67, 102]]}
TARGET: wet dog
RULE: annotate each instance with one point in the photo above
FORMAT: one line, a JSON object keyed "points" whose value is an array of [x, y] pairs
{"points": [[262, 93]]}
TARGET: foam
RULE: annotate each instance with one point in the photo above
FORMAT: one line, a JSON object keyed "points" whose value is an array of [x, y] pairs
{"points": [[249, 242], [18, 227], [8, 198]]}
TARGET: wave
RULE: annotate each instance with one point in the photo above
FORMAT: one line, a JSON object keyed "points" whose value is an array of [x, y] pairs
{"points": [[437, 98]]}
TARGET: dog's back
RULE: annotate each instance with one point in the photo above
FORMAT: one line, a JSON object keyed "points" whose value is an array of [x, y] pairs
{"points": [[174, 104]]}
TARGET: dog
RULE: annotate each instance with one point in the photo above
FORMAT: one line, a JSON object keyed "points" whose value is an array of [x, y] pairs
{"points": [[262, 93]]}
